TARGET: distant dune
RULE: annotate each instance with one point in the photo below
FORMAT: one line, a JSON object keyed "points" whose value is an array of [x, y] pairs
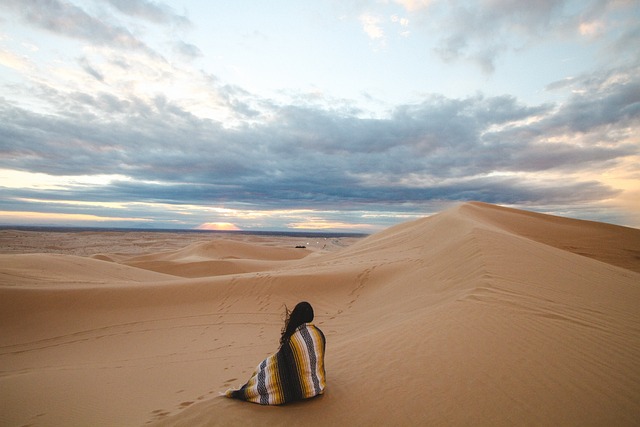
{"points": [[479, 315]]}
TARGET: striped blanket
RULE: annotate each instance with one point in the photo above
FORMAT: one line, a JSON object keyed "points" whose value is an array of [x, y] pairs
{"points": [[295, 372]]}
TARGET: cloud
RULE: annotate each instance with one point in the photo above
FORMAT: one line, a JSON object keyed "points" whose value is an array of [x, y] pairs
{"points": [[85, 65], [13, 61], [151, 11], [67, 19], [413, 5], [482, 31], [371, 25], [65, 218], [600, 100], [187, 50], [403, 23], [494, 149], [315, 223], [560, 84], [112, 54], [591, 28], [376, 27]]}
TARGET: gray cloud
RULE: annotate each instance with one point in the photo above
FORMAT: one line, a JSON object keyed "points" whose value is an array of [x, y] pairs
{"points": [[187, 50], [86, 66], [598, 103], [269, 195], [155, 12], [66, 19], [483, 31], [308, 157]]}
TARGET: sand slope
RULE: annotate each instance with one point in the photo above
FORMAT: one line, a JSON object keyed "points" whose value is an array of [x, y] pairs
{"points": [[479, 315]]}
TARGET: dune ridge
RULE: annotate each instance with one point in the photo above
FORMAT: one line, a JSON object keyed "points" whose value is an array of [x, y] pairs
{"points": [[477, 315]]}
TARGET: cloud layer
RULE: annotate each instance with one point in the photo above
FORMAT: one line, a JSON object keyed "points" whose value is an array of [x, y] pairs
{"points": [[304, 157]]}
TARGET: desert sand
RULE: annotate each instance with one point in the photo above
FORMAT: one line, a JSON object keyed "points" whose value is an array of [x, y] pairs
{"points": [[479, 315]]}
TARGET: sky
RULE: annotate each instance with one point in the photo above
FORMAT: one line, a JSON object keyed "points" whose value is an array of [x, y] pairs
{"points": [[349, 115]]}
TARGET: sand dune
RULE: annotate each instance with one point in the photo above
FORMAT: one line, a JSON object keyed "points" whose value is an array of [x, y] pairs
{"points": [[219, 257], [67, 270], [479, 315]]}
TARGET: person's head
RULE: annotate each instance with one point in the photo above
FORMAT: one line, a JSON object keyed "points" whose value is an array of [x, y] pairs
{"points": [[301, 314]]}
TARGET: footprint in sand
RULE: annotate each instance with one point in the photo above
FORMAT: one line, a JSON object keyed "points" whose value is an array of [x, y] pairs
{"points": [[230, 381], [159, 413]]}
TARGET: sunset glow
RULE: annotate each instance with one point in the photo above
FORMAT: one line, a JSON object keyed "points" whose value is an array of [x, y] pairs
{"points": [[219, 226]]}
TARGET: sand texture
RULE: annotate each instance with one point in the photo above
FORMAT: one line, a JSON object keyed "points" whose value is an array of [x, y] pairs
{"points": [[479, 315]]}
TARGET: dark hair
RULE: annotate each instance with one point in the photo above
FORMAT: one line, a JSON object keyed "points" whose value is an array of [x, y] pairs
{"points": [[302, 313]]}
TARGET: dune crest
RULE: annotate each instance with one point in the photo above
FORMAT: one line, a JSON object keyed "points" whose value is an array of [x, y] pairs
{"points": [[479, 315], [608, 243]]}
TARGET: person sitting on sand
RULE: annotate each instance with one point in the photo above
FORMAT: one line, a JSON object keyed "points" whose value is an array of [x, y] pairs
{"points": [[296, 371]]}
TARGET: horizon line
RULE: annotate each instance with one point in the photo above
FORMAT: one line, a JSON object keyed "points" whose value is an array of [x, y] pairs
{"points": [[67, 228]]}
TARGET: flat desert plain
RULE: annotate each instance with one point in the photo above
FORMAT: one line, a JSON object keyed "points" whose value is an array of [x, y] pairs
{"points": [[478, 315]]}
